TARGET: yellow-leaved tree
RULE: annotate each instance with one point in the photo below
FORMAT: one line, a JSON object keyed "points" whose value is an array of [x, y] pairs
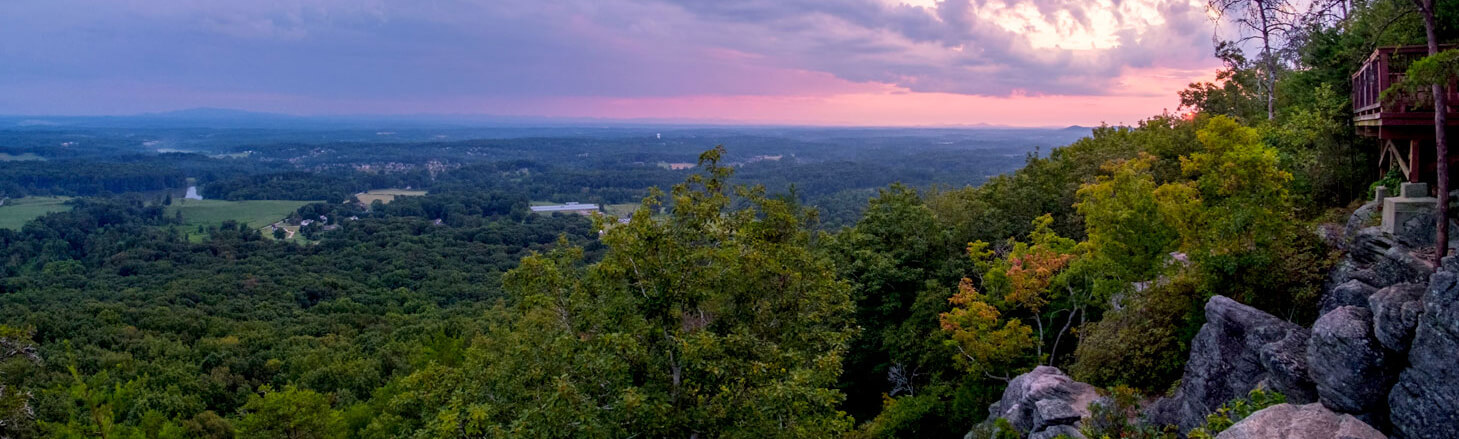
{"points": [[995, 332]]}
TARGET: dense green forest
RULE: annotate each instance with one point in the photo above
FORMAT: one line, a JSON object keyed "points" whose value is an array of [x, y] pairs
{"points": [[834, 290]]}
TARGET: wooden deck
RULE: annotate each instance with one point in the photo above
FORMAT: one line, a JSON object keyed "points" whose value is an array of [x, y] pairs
{"points": [[1402, 118]]}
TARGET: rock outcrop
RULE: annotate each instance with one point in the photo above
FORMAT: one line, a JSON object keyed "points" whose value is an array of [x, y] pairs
{"points": [[1351, 293], [1396, 311], [1050, 412], [1425, 401], [1310, 421], [1057, 431], [1399, 265], [1044, 400], [1347, 362], [1365, 216], [1238, 349], [1383, 356], [1379, 260]]}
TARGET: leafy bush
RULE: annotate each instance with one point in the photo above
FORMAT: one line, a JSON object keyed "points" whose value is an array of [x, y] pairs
{"points": [[1111, 416], [1235, 410], [1143, 344], [1391, 180], [999, 429], [907, 416]]}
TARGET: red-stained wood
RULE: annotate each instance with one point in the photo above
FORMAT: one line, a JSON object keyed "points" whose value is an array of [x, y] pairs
{"points": [[1401, 119]]}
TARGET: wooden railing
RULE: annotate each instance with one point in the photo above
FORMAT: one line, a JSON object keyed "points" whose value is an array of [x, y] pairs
{"points": [[1369, 83], [1384, 68]]}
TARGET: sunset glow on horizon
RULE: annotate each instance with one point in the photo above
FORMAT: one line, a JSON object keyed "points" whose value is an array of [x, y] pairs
{"points": [[861, 62]]}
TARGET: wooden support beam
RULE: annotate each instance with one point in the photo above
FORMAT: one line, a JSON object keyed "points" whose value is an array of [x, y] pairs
{"points": [[1390, 148], [1413, 155]]}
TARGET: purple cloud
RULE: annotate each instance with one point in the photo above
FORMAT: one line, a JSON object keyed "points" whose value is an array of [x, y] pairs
{"points": [[412, 49]]}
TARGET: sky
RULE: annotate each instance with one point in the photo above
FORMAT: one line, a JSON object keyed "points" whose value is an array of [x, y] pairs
{"points": [[817, 62]]}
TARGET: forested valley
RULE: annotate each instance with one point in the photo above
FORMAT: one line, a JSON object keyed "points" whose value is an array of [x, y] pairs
{"points": [[765, 282]]}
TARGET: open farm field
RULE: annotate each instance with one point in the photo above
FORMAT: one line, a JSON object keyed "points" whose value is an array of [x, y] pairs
{"points": [[18, 211], [386, 195]]}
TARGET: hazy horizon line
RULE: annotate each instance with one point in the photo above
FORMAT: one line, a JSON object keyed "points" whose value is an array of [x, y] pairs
{"points": [[243, 115]]}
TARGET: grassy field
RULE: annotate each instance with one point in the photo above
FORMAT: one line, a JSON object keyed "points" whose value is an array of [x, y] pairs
{"points": [[256, 213], [18, 211], [386, 195], [624, 210], [6, 157]]}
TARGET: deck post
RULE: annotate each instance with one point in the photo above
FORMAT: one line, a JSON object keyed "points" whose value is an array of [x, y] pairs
{"points": [[1413, 155]]}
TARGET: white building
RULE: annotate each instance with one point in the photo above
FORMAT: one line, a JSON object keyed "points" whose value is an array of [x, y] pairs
{"points": [[580, 209]]}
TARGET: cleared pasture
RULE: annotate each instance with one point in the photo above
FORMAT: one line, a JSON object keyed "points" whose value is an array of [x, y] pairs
{"points": [[7, 157], [18, 211], [386, 195], [256, 213]]}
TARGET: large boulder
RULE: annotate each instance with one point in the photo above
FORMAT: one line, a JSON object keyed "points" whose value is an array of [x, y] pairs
{"points": [[1310, 421], [1425, 401], [1396, 310], [1365, 216], [1369, 245], [1346, 361], [1380, 260], [1351, 293], [1051, 412], [1057, 432], [1238, 349], [1042, 398], [1399, 264]]}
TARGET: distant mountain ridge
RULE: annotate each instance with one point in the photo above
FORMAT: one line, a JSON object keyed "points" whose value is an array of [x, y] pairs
{"points": [[212, 117]]}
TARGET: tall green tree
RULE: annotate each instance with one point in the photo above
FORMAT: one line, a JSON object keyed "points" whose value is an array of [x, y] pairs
{"points": [[290, 413], [1128, 240], [899, 261], [712, 322]]}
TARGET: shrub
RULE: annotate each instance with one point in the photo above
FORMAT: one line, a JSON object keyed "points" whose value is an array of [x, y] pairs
{"points": [[1144, 343], [1234, 411]]}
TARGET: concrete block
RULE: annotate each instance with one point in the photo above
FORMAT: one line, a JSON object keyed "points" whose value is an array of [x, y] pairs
{"points": [[1413, 190], [1397, 211]]}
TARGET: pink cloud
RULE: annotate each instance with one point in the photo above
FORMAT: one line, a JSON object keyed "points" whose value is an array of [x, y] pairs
{"points": [[852, 62], [1139, 94]]}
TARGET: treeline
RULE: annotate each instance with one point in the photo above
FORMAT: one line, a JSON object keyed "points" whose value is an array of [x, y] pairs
{"points": [[165, 338], [86, 178], [833, 170], [120, 173], [838, 188], [296, 185], [455, 207]]}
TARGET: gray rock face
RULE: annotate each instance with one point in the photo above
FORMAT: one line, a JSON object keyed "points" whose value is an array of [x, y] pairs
{"points": [[1351, 293], [1380, 260], [1396, 311], [1399, 265], [1311, 421], [1237, 349], [1285, 361], [1365, 216], [1425, 401], [1347, 362], [1369, 245], [1051, 412], [1032, 400], [1420, 230], [1053, 432]]}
